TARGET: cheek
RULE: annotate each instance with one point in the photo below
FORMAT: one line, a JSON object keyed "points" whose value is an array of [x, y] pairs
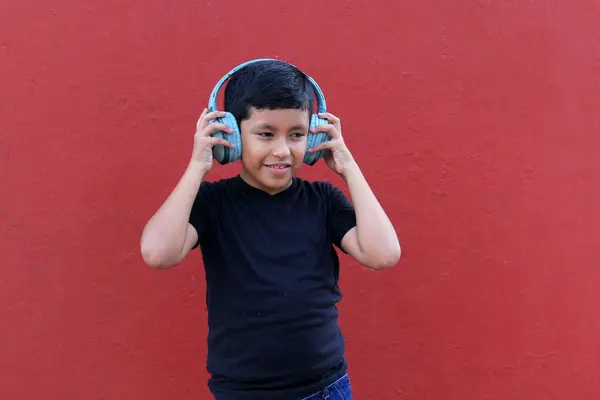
{"points": [[251, 150], [298, 149]]}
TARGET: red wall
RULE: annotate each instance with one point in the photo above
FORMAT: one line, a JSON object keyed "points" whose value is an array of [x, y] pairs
{"points": [[476, 122]]}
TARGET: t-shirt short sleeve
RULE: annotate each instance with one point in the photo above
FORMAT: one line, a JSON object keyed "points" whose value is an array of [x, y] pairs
{"points": [[201, 211], [342, 216]]}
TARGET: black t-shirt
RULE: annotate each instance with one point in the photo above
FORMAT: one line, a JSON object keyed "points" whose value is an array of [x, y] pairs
{"points": [[272, 286]]}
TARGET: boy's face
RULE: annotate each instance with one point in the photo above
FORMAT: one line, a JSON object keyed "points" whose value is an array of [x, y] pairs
{"points": [[273, 147]]}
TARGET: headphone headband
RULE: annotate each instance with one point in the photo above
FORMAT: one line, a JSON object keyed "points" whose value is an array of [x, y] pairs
{"points": [[212, 102]]}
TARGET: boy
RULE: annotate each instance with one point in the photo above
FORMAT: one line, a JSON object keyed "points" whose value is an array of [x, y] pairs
{"points": [[267, 238]]}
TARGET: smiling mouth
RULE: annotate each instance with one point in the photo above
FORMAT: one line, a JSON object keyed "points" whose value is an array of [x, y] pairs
{"points": [[278, 166]]}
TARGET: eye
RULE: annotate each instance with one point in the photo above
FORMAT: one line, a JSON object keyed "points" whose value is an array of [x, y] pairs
{"points": [[297, 135], [265, 134]]}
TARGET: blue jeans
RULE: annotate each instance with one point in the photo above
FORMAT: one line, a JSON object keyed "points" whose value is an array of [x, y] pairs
{"points": [[338, 390]]}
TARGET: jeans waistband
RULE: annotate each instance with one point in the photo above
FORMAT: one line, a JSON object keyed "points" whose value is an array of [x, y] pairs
{"points": [[326, 387]]}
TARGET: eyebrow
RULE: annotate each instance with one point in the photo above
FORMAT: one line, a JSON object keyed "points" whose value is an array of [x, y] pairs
{"points": [[272, 128]]}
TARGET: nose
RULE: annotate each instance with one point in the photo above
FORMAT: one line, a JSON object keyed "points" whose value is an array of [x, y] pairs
{"points": [[281, 149]]}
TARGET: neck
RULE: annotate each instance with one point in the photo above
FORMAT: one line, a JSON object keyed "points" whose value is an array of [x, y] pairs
{"points": [[252, 182]]}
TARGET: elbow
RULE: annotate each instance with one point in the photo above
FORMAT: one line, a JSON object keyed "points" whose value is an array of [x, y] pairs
{"points": [[383, 264], [154, 258], [386, 260]]}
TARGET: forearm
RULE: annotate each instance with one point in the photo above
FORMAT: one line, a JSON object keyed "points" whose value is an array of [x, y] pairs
{"points": [[376, 236], [165, 233]]}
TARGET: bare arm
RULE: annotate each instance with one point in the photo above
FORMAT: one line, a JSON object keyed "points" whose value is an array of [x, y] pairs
{"points": [[168, 236], [373, 242]]}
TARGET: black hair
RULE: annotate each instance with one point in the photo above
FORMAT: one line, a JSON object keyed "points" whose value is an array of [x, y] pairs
{"points": [[268, 85]]}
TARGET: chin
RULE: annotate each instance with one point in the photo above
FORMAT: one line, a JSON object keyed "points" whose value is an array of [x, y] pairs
{"points": [[274, 179], [270, 177]]}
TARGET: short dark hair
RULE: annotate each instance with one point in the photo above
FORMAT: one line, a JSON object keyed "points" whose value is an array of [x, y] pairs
{"points": [[268, 85]]}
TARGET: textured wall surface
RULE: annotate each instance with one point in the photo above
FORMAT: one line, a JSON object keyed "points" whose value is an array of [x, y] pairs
{"points": [[475, 121]]}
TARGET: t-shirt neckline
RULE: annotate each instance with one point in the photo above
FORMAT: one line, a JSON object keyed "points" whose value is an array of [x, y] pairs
{"points": [[248, 188]]}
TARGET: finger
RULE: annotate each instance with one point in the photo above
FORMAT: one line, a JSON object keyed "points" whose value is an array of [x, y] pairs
{"points": [[207, 117], [215, 126], [214, 114], [322, 146], [330, 117], [328, 128], [200, 119], [216, 141]]}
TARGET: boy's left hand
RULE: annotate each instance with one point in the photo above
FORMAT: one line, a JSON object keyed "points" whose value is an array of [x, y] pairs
{"points": [[338, 157]]}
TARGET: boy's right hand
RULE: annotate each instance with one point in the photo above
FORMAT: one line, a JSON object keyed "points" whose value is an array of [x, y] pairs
{"points": [[202, 155]]}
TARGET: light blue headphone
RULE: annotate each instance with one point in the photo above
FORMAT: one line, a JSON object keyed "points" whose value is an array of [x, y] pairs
{"points": [[225, 155]]}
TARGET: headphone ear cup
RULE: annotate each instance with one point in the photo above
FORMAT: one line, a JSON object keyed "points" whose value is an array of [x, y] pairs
{"points": [[315, 139], [223, 154]]}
